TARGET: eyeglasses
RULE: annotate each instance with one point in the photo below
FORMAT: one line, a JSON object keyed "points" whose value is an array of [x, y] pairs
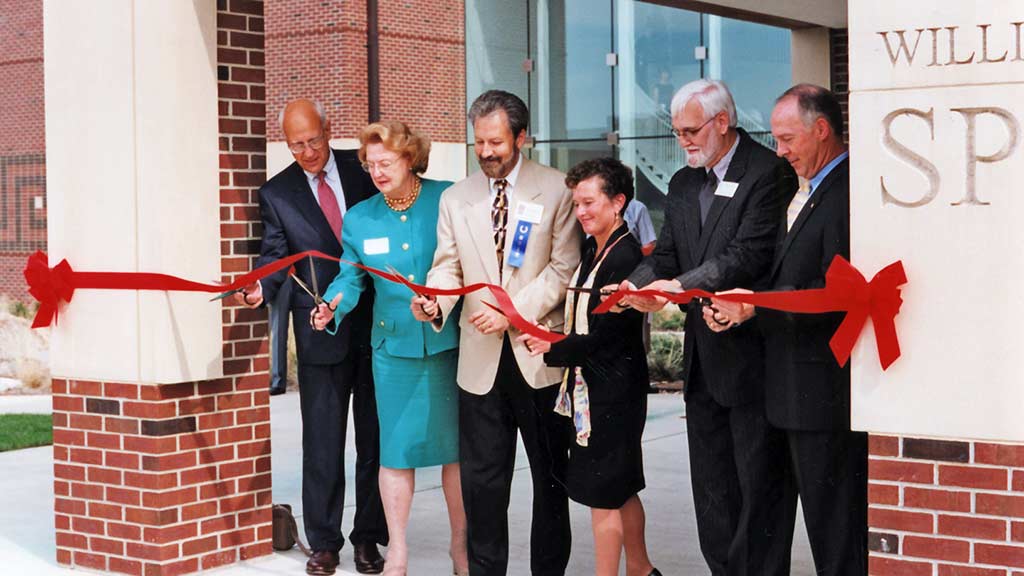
{"points": [[689, 133], [382, 166], [315, 143]]}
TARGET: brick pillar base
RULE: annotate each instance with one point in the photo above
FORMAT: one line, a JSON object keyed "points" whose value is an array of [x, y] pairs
{"points": [[945, 508], [161, 480]]}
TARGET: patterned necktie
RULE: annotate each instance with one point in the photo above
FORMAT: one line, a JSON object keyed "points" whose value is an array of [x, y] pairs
{"points": [[707, 195], [329, 204], [797, 204], [499, 218]]}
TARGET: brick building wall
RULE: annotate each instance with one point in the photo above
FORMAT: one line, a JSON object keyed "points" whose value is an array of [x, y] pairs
{"points": [[170, 479], [22, 141], [317, 49], [945, 508], [840, 72]]}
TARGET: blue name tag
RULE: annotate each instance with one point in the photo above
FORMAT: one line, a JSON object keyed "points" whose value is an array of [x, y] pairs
{"points": [[522, 236]]}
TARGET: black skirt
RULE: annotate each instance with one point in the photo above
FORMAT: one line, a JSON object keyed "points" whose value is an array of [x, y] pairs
{"points": [[610, 469]]}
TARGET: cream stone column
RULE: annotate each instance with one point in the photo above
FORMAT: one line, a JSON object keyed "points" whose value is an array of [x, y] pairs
{"points": [[155, 131], [936, 105]]}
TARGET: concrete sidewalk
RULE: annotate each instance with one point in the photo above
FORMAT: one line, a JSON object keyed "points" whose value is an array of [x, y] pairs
{"points": [[27, 533]]}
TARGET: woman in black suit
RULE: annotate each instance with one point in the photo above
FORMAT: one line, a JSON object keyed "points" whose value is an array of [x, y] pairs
{"points": [[604, 389]]}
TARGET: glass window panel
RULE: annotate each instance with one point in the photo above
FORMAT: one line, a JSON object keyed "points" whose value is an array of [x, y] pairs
{"points": [[495, 49], [656, 56], [571, 86], [755, 61]]}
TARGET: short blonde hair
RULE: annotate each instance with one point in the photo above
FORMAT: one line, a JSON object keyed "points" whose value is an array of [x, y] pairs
{"points": [[397, 137]]}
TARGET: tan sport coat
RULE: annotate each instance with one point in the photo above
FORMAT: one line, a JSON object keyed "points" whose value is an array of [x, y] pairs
{"points": [[465, 255]]}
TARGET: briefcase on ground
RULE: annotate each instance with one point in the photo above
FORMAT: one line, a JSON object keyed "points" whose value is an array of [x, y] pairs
{"points": [[285, 530]]}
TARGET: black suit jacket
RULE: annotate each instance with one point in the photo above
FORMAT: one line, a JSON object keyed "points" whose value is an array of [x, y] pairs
{"points": [[733, 248], [293, 223], [806, 388]]}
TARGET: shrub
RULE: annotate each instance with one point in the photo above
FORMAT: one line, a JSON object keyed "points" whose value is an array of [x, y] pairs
{"points": [[665, 361], [22, 310], [668, 319]]}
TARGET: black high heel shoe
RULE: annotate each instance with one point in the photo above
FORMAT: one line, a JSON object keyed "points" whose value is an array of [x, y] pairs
{"points": [[654, 572]]}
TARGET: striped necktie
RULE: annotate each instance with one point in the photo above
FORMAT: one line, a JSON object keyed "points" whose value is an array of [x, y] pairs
{"points": [[797, 204], [499, 220]]}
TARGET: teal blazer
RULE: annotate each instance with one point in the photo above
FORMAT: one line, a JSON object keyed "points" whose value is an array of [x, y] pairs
{"points": [[377, 236]]}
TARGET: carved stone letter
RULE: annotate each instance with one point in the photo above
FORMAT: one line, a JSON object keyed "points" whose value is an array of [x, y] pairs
{"points": [[1013, 130], [915, 160]]}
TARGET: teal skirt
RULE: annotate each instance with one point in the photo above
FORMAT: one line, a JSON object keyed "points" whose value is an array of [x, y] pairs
{"points": [[417, 408]]}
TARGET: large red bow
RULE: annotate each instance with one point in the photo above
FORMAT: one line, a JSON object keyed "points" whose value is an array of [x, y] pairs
{"points": [[49, 286], [880, 299]]}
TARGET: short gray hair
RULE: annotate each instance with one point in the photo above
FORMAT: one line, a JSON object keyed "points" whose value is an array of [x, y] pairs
{"points": [[316, 104], [493, 100], [712, 95]]}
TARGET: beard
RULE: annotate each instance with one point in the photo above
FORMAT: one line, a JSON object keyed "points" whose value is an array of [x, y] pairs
{"points": [[496, 166], [709, 150]]}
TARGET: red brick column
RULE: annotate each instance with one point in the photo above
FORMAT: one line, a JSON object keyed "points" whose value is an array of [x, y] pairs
{"points": [[170, 479], [317, 50], [945, 508]]}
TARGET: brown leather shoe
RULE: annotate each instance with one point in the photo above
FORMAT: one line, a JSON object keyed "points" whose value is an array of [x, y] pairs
{"points": [[322, 563], [367, 558]]}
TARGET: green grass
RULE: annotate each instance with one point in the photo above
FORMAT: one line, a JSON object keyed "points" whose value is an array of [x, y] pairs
{"points": [[25, 430]]}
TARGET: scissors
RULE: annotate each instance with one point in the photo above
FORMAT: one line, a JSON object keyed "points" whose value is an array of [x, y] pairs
{"points": [[392, 270], [592, 291], [315, 292]]}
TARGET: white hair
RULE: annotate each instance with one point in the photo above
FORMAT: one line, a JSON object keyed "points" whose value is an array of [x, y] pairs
{"points": [[316, 104], [712, 95]]}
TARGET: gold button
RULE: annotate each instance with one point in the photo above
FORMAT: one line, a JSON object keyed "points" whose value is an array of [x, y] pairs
{"points": [[405, 246], [412, 278], [381, 323], [403, 217]]}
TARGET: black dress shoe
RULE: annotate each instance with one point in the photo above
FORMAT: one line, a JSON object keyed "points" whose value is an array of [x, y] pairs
{"points": [[322, 563], [367, 558], [654, 572], [277, 390]]}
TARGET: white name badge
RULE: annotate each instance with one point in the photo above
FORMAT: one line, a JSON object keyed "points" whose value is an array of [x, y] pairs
{"points": [[373, 246], [529, 212], [726, 189]]}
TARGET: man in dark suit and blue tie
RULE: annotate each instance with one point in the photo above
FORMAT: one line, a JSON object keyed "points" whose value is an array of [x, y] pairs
{"points": [[303, 208], [721, 220], [808, 393]]}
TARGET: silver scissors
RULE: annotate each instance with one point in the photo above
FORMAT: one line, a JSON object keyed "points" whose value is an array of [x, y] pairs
{"points": [[315, 292]]}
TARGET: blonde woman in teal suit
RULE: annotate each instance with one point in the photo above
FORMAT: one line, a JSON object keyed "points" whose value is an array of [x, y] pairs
{"points": [[414, 367]]}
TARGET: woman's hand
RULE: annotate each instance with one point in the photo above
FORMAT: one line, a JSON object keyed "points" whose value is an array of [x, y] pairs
{"points": [[320, 316], [535, 346]]}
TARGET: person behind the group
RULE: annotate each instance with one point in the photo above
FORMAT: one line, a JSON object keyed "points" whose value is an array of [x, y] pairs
{"points": [[303, 208], [638, 219], [604, 387], [510, 224], [719, 233], [808, 393], [414, 366]]}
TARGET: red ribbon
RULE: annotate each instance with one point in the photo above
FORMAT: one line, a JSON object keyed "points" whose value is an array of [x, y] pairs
{"points": [[51, 286], [846, 290]]}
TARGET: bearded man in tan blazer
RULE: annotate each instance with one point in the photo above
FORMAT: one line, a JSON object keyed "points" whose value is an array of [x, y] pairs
{"points": [[520, 214]]}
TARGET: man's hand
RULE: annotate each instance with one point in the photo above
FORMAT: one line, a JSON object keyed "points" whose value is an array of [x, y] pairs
{"points": [[251, 296], [535, 346], [320, 316], [489, 321], [654, 303], [424, 308], [723, 314]]}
